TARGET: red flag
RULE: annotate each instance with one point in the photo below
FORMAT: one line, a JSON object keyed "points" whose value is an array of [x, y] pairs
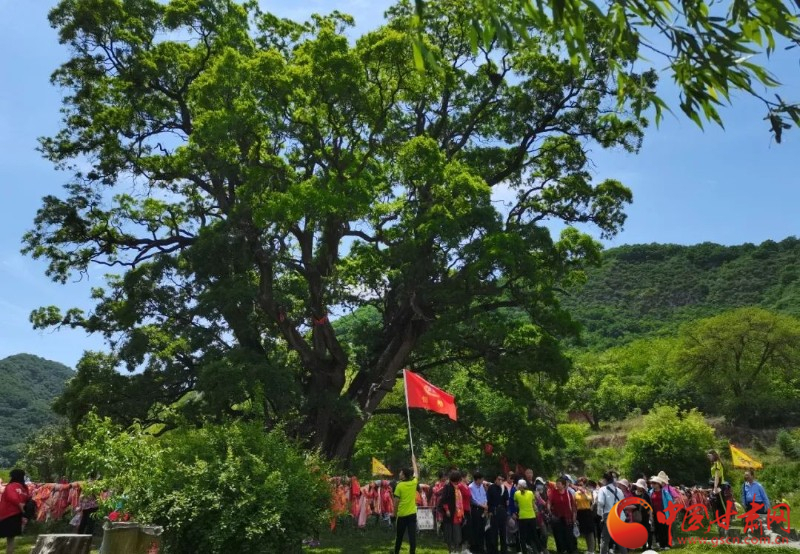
{"points": [[421, 394]]}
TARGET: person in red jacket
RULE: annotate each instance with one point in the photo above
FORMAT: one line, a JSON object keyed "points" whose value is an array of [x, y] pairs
{"points": [[564, 512], [466, 498], [12, 504]]}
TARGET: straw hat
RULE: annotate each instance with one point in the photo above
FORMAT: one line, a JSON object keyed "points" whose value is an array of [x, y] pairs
{"points": [[664, 477], [658, 479], [642, 484]]}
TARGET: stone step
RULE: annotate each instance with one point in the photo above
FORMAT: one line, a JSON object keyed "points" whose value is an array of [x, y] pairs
{"points": [[62, 544]]}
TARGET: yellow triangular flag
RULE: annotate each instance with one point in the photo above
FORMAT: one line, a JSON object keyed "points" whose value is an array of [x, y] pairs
{"points": [[742, 460], [380, 469]]}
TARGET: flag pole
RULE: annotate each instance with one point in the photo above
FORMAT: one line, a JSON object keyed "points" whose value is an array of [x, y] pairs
{"points": [[408, 412]]}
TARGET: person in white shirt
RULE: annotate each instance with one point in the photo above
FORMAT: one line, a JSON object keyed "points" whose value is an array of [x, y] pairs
{"points": [[607, 497]]}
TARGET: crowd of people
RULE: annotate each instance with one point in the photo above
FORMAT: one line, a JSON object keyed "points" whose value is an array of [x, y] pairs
{"points": [[510, 512], [516, 513]]}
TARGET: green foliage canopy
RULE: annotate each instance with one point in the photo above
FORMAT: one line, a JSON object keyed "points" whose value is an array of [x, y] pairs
{"points": [[517, 416], [611, 384], [44, 454], [707, 47], [745, 362], [248, 176]]}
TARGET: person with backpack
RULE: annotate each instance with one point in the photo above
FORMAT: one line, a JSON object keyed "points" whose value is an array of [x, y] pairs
{"points": [[12, 508], [607, 498]]}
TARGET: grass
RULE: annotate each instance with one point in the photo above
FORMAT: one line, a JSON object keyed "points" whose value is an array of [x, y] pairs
{"points": [[374, 540], [25, 545], [381, 540], [26, 542]]}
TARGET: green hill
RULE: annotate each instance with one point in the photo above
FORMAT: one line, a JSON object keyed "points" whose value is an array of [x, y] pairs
{"points": [[28, 384], [652, 288]]}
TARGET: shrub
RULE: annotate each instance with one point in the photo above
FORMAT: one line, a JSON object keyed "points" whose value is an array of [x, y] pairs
{"points": [[44, 454], [217, 489], [779, 479], [672, 441], [789, 443]]}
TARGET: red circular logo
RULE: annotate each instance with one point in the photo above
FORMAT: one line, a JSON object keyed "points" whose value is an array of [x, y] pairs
{"points": [[629, 535]]}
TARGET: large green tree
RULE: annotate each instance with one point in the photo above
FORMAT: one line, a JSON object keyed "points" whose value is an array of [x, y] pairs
{"points": [[247, 178], [745, 363], [610, 385]]}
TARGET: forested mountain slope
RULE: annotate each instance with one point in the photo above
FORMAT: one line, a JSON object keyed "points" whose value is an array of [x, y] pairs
{"points": [[652, 288], [28, 385]]}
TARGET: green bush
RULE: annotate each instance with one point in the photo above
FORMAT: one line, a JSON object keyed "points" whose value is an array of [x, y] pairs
{"points": [[779, 479], [672, 441], [217, 489], [789, 443]]}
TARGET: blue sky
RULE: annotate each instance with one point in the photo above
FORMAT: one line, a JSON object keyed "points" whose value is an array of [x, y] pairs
{"points": [[689, 186]]}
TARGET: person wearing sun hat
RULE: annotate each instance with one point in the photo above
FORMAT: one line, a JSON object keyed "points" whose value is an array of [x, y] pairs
{"points": [[625, 487], [661, 497]]}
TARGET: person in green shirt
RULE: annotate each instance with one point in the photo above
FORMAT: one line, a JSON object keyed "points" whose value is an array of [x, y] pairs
{"points": [[405, 507], [526, 502]]}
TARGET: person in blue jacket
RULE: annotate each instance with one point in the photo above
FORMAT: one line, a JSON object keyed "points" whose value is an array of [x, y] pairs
{"points": [[753, 492]]}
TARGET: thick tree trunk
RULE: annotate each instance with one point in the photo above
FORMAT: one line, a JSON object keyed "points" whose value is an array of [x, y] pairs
{"points": [[323, 420], [368, 389], [592, 420]]}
